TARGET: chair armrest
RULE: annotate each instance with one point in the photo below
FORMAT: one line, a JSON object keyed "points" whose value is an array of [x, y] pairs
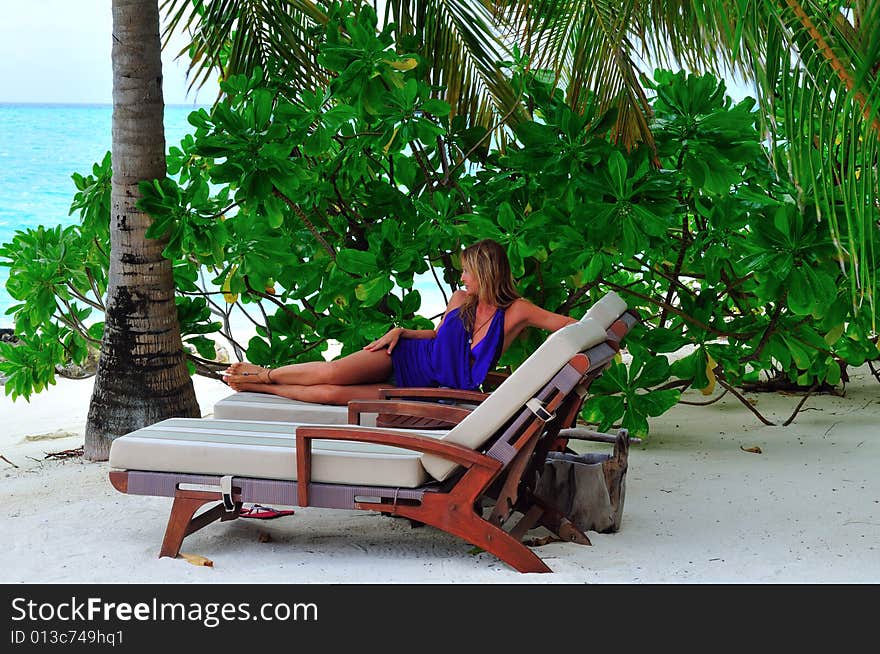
{"points": [[432, 393], [443, 412], [459, 454]]}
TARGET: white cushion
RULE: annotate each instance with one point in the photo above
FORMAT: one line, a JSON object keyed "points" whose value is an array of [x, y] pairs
{"points": [[265, 450], [265, 406], [608, 309]]}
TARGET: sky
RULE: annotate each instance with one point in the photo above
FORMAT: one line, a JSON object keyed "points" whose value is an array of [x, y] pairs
{"points": [[59, 51]]}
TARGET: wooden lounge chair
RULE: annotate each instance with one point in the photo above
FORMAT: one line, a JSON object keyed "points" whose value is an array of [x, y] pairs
{"points": [[436, 478]]}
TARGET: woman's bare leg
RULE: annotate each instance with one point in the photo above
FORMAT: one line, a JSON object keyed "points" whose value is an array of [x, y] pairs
{"points": [[317, 393], [358, 368]]}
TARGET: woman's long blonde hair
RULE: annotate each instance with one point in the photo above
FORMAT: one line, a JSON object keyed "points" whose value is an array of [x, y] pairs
{"points": [[487, 263]]}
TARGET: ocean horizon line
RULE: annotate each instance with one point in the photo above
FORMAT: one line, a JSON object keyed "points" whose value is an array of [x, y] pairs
{"points": [[4, 103]]}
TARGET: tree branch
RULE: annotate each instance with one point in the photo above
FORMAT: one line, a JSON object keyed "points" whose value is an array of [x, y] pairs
{"points": [[743, 400], [712, 401], [679, 262], [771, 328], [681, 314], [308, 223], [800, 404]]}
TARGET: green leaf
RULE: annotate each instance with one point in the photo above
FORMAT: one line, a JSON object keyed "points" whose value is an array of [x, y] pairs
{"points": [[656, 370], [604, 410], [635, 421], [800, 295], [205, 346], [617, 170], [262, 100], [370, 292], [834, 334], [411, 303], [274, 211], [436, 107], [685, 367], [656, 403], [357, 261], [832, 373], [533, 134], [613, 380], [506, 217], [798, 353], [318, 143], [96, 330]]}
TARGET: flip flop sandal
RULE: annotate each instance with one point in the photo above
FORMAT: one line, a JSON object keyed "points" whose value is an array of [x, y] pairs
{"points": [[260, 512]]}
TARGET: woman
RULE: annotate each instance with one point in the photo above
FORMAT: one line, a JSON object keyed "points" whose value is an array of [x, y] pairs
{"points": [[479, 324]]}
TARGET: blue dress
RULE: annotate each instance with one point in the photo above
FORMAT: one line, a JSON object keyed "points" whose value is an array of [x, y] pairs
{"points": [[448, 359]]}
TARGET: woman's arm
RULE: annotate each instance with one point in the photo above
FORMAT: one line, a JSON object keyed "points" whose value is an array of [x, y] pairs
{"points": [[522, 314], [416, 333], [531, 315], [390, 339]]}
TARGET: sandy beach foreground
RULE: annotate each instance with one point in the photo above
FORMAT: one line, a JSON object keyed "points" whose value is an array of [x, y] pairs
{"points": [[699, 509]]}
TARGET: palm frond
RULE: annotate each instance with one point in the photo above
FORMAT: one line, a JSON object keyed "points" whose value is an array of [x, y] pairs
{"points": [[463, 47], [229, 37], [822, 92], [588, 45]]}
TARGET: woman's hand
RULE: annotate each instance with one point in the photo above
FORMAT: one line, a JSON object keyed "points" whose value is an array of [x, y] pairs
{"points": [[389, 340]]}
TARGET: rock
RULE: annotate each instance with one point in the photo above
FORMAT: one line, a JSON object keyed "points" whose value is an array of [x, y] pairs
{"points": [[89, 367], [51, 436], [6, 336], [222, 354]]}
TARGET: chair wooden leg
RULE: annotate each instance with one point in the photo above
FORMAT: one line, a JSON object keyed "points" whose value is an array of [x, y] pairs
{"points": [[530, 519], [495, 540], [566, 530], [181, 522], [460, 519], [541, 513]]}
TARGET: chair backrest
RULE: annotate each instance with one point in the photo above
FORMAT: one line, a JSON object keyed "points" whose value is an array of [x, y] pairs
{"points": [[607, 309], [524, 383]]}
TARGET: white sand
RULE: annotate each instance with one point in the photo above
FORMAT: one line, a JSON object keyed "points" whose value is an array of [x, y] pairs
{"points": [[698, 509]]}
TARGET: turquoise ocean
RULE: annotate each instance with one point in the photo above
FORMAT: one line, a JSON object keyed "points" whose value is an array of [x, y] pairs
{"points": [[41, 146]]}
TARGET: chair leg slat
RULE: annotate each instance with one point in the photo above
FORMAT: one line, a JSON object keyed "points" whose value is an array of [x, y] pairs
{"points": [[179, 521]]}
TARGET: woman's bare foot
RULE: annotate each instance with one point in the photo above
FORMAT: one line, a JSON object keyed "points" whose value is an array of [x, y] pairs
{"points": [[242, 372], [239, 367], [249, 385]]}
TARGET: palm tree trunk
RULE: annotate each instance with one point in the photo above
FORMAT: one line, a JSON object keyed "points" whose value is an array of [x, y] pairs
{"points": [[142, 375]]}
